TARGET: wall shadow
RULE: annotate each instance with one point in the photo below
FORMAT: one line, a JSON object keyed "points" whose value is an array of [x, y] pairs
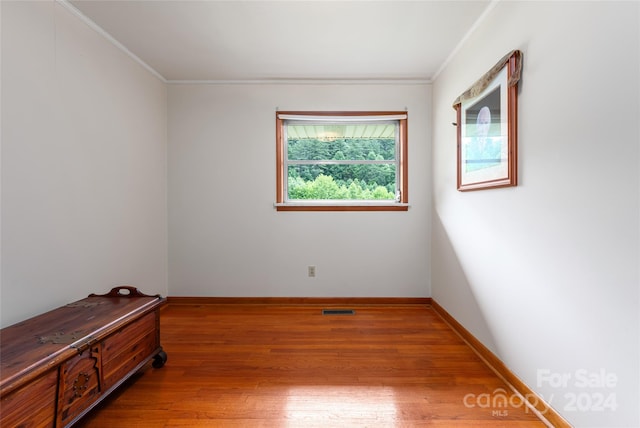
{"points": [[451, 289]]}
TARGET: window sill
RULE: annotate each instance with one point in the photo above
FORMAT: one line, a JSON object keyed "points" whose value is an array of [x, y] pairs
{"points": [[332, 206]]}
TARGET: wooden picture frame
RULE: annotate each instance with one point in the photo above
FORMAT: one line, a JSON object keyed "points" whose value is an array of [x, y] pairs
{"points": [[487, 133]]}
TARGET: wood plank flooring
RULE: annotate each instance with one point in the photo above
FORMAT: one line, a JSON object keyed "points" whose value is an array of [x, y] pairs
{"points": [[290, 366]]}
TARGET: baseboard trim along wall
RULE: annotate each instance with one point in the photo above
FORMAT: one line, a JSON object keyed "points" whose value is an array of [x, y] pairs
{"points": [[327, 301], [533, 401]]}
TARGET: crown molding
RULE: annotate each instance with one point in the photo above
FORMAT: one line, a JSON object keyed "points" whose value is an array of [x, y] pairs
{"points": [[95, 27], [363, 81], [270, 81], [466, 37]]}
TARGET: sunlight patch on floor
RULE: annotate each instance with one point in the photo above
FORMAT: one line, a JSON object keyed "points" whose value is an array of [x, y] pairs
{"points": [[313, 404]]}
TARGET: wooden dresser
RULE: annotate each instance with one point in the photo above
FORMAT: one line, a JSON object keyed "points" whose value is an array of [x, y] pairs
{"points": [[56, 366]]}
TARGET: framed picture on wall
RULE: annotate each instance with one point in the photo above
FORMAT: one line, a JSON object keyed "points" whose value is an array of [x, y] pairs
{"points": [[487, 131]]}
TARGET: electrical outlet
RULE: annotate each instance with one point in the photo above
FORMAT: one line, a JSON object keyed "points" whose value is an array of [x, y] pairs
{"points": [[311, 270]]}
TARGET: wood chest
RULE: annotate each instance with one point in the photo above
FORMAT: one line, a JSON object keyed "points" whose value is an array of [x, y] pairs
{"points": [[56, 366]]}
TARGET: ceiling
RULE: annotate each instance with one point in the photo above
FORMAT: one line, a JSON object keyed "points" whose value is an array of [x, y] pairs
{"points": [[243, 40]]}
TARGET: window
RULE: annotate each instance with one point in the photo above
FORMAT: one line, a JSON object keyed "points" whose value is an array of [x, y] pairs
{"points": [[341, 161]]}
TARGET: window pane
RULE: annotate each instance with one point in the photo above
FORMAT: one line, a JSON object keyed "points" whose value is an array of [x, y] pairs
{"points": [[359, 182], [341, 148]]}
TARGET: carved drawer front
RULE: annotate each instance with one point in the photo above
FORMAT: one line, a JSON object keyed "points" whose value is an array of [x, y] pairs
{"points": [[33, 405], [79, 385], [127, 348]]}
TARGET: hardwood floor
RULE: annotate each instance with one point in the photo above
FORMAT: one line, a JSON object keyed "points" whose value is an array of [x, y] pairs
{"points": [[291, 366]]}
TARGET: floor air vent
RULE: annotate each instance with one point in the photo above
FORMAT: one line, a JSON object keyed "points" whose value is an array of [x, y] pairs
{"points": [[338, 312]]}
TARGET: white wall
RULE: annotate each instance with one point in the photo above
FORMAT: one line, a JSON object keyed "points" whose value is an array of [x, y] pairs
{"points": [[83, 164], [546, 274], [226, 239]]}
